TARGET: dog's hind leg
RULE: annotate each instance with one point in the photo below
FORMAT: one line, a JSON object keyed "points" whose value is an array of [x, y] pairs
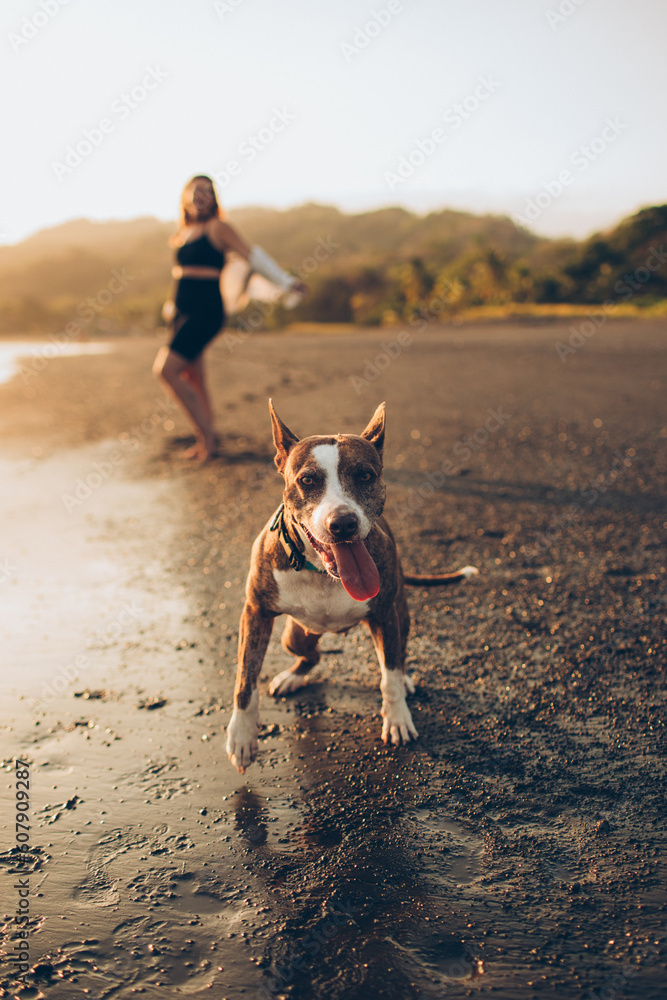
{"points": [[303, 644]]}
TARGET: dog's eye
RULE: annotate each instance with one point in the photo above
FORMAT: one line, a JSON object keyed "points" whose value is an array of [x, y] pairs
{"points": [[307, 481], [365, 475]]}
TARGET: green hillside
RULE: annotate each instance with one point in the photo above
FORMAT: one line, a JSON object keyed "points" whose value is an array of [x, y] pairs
{"points": [[384, 266]]}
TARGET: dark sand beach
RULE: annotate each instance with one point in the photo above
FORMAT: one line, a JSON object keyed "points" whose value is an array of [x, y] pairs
{"points": [[516, 850]]}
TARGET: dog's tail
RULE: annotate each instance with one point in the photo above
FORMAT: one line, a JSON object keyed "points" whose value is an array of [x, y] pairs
{"points": [[442, 579]]}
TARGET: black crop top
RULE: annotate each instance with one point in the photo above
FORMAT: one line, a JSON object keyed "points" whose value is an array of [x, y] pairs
{"points": [[200, 253]]}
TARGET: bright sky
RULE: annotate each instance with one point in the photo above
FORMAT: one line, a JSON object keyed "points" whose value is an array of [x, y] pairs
{"points": [[347, 103]]}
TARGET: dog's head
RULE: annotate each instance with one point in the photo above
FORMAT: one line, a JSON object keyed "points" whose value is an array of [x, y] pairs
{"points": [[335, 492]]}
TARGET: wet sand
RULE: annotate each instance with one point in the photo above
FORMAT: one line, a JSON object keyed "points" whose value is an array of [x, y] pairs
{"points": [[516, 850]]}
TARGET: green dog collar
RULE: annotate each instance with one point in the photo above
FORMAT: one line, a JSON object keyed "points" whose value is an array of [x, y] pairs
{"points": [[297, 559]]}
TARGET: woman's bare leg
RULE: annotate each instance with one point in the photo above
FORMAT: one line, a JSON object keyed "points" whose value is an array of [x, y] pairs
{"points": [[196, 375], [170, 368]]}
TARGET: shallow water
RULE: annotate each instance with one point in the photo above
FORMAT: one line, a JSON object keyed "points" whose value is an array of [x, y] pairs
{"points": [[37, 354]]}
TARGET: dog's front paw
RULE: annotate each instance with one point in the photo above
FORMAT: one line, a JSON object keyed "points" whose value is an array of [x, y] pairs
{"points": [[242, 735], [397, 725], [286, 682]]}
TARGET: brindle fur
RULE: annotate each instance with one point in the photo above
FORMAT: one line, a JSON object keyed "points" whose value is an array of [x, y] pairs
{"points": [[386, 615]]}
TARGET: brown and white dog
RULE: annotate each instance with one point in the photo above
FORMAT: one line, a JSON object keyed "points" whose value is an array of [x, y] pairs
{"points": [[328, 559]]}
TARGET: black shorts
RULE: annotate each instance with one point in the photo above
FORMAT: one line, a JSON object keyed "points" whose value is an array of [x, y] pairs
{"points": [[199, 316]]}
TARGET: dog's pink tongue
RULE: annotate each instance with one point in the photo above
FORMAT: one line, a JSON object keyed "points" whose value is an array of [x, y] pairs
{"points": [[357, 571]]}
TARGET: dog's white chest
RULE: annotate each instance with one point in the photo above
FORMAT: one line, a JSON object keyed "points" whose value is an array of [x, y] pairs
{"points": [[317, 602]]}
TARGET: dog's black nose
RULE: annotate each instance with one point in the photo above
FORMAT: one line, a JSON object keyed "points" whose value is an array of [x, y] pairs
{"points": [[343, 526]]}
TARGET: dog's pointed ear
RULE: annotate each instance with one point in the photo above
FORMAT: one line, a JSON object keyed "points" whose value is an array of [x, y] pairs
{"points": [[283, 438], [374, 432]]}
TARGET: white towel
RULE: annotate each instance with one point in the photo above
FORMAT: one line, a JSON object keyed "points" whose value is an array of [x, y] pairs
{"points": [[240, 285]]}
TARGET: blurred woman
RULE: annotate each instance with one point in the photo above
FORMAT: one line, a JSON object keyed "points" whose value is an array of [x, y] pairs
{"points": [[197, 314]]}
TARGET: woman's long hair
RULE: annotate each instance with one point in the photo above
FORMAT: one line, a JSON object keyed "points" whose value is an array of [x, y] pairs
{"points": [[184, 217]]}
